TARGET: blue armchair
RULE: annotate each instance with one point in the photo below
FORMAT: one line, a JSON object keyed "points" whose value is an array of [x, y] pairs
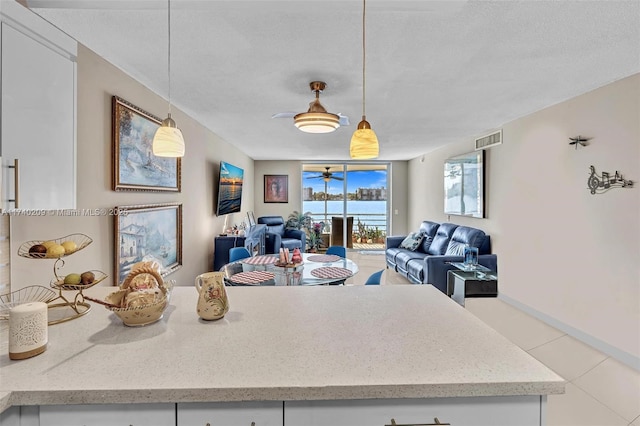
{"points": [[278, 236]]}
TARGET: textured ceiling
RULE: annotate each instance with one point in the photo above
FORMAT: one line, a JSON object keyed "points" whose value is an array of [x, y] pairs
{"points": [[437, 72]]}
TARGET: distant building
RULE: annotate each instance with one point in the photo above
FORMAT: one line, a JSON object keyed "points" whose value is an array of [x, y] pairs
{"points": [[371, 194], [307, 194]]}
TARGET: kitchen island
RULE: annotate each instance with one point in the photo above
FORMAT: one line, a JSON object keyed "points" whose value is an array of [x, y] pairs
{"points": [[321, 349]]}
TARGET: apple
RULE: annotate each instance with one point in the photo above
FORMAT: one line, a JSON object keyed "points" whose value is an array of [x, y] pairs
{"points": [[38, 249], [72, 279], [87, 277], [69, 246], [48, 244], [55, 250]]}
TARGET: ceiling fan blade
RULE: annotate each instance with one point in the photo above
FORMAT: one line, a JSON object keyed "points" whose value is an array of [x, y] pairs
{"points": [[344, 120], [336, 178], [284, 115]]}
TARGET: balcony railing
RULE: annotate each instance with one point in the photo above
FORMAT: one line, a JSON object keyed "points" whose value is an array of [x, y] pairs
{"points": [[371, 224]]}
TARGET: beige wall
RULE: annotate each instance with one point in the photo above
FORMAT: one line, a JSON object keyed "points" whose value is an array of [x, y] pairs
{"points": [[97, 82], [565, 253], [294, 169]]}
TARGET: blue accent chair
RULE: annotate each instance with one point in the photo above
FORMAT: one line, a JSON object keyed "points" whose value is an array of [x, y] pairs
{"points": [[238, 253], [338, 251], [278, 236], [375, 278]]}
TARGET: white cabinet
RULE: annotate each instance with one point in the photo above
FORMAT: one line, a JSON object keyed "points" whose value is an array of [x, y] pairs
{"points": [[265, 413], [108, 415], [10, 417], [466, 411], [477, 411], [38, 122]]}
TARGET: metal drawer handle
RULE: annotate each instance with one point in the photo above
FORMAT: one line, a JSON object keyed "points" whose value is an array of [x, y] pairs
{"points": [[252, 424], [16, 182], [435, 419]]}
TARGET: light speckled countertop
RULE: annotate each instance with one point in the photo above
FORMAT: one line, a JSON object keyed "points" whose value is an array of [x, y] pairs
{"points": [[278, 343]]}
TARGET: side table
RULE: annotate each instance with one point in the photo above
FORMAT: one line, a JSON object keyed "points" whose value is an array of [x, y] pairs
{"points": [[469, 281]]}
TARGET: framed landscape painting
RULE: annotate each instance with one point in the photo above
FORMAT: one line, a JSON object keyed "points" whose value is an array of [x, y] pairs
{"points": [[146, 233], [135, 168]]}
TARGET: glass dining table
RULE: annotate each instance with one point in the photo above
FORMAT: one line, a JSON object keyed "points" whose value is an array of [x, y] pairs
{"points": [[315, 269]]}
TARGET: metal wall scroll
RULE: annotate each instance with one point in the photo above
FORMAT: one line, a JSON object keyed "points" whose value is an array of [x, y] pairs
{"points": [[601, 183], [579, 140]]}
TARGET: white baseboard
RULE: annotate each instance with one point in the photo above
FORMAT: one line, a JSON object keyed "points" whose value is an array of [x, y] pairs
{"points": [[620, 355]]}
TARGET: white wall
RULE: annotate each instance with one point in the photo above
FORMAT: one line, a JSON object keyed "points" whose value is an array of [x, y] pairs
{"points": [[294, 169], [98, 81], [567, 254]]}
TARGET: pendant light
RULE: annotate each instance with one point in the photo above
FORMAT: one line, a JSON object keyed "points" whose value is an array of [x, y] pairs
{"points": [[168, 140], [364, 142]]}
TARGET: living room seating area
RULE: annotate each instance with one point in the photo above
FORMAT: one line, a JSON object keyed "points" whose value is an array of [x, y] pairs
{"points": [[278, 236], [424, 256]]}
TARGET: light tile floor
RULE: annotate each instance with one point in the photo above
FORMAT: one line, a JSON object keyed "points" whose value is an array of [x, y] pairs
{"points": [[600, 391]]}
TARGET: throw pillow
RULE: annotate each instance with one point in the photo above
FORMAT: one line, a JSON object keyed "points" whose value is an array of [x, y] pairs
{"points": [[412, 241]]}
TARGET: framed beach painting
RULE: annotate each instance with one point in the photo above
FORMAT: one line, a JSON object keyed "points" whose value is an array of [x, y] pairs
{"points": [[146, 233], [276, 188], [135, 168]]}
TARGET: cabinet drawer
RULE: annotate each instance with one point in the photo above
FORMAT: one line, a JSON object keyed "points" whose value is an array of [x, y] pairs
{"points": [[263, 413], [478, 411], [108, 415]]}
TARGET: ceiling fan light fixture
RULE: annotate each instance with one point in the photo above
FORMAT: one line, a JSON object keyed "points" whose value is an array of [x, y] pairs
{"points": [[316, 122], [168, 140]]}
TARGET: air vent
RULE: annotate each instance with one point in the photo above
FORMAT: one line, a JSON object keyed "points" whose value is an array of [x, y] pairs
{"points": [[489, 140]]}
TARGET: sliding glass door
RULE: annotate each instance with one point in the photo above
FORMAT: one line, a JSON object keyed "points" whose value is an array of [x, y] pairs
{"points": [[351, 200]]}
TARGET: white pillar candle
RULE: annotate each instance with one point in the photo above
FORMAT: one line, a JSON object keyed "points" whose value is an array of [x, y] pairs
{"points": [[28, 333]]}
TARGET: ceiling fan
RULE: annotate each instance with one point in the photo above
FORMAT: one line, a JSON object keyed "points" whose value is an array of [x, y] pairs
{"points": [[326, 176], [316, 119]]}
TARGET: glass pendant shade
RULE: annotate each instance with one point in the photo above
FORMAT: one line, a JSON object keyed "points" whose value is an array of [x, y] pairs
{"points": [[168, 140], [364, 142]]}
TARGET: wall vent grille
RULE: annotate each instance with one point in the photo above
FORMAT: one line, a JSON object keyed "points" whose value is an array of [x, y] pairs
{"points": [[489, 140]]}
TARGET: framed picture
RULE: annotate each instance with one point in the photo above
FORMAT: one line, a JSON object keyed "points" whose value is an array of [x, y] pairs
{"points": [[135, 168], [252, 219], [147, 232], [464, 185], [276, 188]]}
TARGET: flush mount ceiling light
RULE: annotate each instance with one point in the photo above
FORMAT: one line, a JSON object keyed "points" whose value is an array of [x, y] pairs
{"points": [[168, 140], [317, 119], [364, 142]]}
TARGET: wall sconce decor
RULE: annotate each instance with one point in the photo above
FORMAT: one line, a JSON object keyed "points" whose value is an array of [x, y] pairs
{"points": [[601, 183], [579, 140]]}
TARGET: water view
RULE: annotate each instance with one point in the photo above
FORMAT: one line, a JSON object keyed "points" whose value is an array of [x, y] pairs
{"points": [[371, 214]]}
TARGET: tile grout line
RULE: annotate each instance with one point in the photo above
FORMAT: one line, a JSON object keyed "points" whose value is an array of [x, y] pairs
{"points": [[594, 397], [550, 341]]}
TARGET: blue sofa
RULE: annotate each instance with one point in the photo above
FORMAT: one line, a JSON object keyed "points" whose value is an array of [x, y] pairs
{"points": [[443, 243]]}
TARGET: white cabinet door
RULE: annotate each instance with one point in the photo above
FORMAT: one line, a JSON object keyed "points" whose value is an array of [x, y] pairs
{"points": [[38, 113], [479, 411], [108, 415], [10, 417], [263, 413]]}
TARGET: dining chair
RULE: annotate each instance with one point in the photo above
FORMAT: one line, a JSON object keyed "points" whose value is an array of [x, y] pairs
{"points": [[375, 278], [237, 253], [337, 250]]}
